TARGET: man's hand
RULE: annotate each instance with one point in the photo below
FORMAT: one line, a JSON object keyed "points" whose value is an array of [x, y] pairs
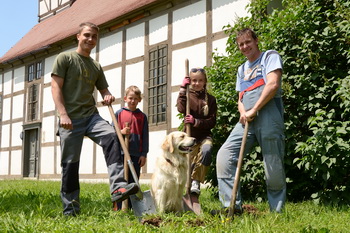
{"points": [[250, 115], [242, 119], [66, 122], [108, 99], [189, 119]]}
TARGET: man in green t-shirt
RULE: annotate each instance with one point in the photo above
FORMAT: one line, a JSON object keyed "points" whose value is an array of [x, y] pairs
{"points": [[74, 78]]}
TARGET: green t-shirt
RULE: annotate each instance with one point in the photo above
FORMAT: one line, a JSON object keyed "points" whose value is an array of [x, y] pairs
{"points": [[81, 75]]}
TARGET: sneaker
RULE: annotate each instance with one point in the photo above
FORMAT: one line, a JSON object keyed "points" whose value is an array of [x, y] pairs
{"points": [[195, 187], [123, 193]]}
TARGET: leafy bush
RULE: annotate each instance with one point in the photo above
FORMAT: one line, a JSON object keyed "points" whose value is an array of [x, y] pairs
{"points": [[313, 38]]}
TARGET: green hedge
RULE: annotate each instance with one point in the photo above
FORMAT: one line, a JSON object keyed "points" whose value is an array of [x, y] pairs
{"points": [[313, 38]]}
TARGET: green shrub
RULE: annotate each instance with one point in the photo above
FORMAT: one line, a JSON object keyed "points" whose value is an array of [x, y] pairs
{"points": [[313, 38]]}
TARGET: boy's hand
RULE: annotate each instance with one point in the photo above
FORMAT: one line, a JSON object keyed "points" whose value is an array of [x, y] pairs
{"points": [[125, 130], [142, 161]]}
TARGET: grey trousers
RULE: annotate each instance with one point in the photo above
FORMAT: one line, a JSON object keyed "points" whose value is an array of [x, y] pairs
{"points": [[267, 130], [102, 133]]}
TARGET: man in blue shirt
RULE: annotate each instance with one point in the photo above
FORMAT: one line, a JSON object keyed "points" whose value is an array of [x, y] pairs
{"points": [[260, 104]]}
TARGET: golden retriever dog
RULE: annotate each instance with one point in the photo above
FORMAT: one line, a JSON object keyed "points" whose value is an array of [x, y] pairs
{"points": [[170, 174]]}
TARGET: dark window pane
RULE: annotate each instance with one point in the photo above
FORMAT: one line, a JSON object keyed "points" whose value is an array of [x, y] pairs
{"points": [[157, 85]]}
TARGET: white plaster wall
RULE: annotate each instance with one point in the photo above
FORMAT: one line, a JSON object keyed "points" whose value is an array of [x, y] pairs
{"points": [[111, 49], [19, 79], [4, 162], [48, 68], [134, 75], [114, 79], [42, 7], [135, 41], [5, 136], [48, 133], [86, 156], [49, 61], [158, 29], [48, 104], [16, 162], [197, 58], [175, 121], [226, 12], [189, 22], [16, 132], [101, 167], [58, 160], [6, 110], [0, 82], [219, 47], [140, 105], [92, 54], [7, 83], [53, 5], [47, 160], [17, 109], [104, 112], [155, 141]]}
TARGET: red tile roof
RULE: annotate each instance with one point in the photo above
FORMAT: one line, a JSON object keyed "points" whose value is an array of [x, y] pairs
{"points": [[66, 23]]}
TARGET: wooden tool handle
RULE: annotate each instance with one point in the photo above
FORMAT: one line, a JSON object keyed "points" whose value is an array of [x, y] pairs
{"points": [[238, 171], [188, 111], [188, 131], [125, 204]]}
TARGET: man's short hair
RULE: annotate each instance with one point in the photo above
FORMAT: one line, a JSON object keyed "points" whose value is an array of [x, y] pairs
{"points": [[88, 24], [246, 31]]}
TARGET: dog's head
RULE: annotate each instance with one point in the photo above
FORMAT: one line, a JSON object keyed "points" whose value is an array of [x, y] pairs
{"points": [[178, 142]]}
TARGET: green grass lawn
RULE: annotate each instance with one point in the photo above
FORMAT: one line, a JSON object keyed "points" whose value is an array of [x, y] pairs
{"points": [[35, 206]]}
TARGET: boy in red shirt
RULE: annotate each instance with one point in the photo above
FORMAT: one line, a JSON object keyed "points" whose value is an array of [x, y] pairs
{"points": [[137, 130]]}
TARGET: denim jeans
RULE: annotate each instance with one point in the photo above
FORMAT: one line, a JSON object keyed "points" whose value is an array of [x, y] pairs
{"points": [[267, 130]]}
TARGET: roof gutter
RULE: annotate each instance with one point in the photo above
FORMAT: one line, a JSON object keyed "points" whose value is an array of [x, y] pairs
{"points": [[20, 58]]}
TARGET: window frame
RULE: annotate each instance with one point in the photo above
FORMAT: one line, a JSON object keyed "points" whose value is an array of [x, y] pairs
{"points": [[33, 102], [34, 71], [157, 85]]}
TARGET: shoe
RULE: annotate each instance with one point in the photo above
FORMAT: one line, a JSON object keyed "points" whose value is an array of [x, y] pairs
{"points": [[225, 211], [71, 213], [195, 187], [72, 209], [123, 193]]}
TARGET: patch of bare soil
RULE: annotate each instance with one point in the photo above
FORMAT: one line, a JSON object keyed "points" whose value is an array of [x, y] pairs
{"points": [[250, 209], [195, 223], [152, 221]]}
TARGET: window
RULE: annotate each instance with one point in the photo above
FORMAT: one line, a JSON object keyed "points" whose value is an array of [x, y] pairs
{"points": [[33, 102], [157, 85], [34, 71]]}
